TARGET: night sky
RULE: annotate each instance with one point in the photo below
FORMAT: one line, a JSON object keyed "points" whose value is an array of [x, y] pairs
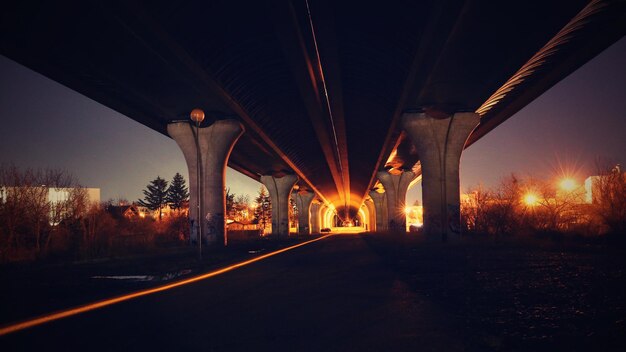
{"points": [[45, 124]]}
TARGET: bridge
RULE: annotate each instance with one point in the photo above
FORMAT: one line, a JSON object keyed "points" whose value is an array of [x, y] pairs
{"points": [[346, 102]]}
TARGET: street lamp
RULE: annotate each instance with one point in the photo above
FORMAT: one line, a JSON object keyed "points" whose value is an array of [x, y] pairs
{"points": [[568, 184], [530, 199], [197, 116]]}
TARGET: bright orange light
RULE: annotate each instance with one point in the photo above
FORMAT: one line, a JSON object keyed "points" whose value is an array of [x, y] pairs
{"points": [[568, 184], [407, 210], [107, 302], [197, 115], [531, 199]]}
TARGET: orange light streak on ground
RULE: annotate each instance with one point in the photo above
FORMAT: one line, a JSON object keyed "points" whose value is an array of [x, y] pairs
{"points": [[107, 302]]}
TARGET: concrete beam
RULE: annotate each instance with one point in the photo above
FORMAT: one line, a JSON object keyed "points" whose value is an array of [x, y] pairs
{"points": [[396, 186], [439, 143], [280, 190], [214, 145]]}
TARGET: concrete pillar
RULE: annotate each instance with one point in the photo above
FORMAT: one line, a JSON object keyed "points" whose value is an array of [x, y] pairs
{"points": [[380, 208], [439, 143], [371, 214], [315, 217], [323, 210], [280, 189], [215, 144], [396, 186], [303, 201]]}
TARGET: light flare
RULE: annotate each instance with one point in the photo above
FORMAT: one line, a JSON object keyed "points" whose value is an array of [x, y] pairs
{"points": [[531, 199], [568, 184]]}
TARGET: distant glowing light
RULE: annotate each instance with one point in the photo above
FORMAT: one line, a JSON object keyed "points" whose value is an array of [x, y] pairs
{"points": [[407, 210], [568, 184], [531, 199]]}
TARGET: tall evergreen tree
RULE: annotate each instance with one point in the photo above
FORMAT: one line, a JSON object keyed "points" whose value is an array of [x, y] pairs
{"points": [[263, 211], [156, 195], [230, 200], [177, 192]]}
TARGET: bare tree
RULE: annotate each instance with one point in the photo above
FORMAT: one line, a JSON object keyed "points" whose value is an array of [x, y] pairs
{"points": [[475, 209], [503, 210], [241, 207], [609, 197], [35, 202]]}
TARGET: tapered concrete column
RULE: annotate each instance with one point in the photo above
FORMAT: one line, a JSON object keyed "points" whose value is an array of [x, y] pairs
{"points": [[315, 217], [396, 186], [380, 208], [439, 143], [303, 201], [323, 210], [215, 143], [280, 189], [371, 214]]}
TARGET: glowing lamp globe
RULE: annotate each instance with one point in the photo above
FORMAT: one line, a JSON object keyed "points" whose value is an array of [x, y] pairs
{"points": [[197, 115]]}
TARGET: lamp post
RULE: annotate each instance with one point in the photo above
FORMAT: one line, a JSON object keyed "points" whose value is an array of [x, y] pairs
{"points": [[197, 115]]}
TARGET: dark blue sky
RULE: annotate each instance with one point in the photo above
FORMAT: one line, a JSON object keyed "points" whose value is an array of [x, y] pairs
{"points": [[45, 124]]}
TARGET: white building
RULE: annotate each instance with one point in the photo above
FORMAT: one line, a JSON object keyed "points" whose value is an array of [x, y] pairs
{"points": [[57, 195]]}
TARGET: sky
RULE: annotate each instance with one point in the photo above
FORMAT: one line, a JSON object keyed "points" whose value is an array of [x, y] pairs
{"points": [[45, 124]]}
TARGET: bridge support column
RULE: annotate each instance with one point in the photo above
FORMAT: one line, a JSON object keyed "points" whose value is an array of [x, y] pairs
{"points": [[215, 144], [396, 186], [315, 217], [280, 189], [371, 213], [380, 208], [303, 201], [439, 143]]}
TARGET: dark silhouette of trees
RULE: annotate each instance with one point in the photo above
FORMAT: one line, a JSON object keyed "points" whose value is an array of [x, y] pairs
{"points": [[177, 192], [155, 196], [609, 198], [241, 208], [230, 201], [493, 212], [36, 205], [262, 211]]}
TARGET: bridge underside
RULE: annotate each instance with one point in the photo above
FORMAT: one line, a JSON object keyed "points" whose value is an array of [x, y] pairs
{"points": [[319, 85]]}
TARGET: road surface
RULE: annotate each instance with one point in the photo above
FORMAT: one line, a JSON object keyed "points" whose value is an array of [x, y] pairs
{"points": [[332, 295]]}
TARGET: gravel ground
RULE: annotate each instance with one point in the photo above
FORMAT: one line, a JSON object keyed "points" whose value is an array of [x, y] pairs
{"points": [[519, 296]]}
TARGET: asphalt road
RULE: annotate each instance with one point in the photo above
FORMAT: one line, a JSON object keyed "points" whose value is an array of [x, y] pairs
{"points": [[332, 295]]}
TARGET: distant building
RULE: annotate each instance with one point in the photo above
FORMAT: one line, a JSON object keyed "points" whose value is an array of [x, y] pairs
{"points": [[134, 211], [55, 195], [232, 225], [123, 211], [593, 182]]}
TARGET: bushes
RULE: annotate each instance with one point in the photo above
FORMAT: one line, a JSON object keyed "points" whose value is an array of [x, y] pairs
{"points": [[34, 224], [36, 206], [546, 209]]}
